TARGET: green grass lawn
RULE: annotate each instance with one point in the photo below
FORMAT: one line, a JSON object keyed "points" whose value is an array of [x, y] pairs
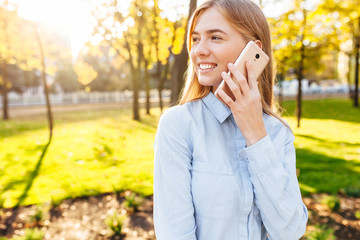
{"points": [[327, 145], [104, 150], [91, 152]]}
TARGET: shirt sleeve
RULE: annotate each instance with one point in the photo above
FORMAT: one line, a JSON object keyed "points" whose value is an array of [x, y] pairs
{"points": [[276, 189], [173, 205]]}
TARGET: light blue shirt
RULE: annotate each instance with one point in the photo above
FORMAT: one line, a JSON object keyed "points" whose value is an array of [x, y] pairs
{"points": [[209, 186]]}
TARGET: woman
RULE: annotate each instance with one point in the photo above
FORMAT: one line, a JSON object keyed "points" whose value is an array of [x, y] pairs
{"points": [[226, 171]]}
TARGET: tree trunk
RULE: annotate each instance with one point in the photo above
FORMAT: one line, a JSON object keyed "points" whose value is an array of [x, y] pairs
{"points": [[158, 62], [46, 89], [180, 64], [356, 93], [134, 79], [160, 84], [6, 75], [147, 87], [300, 72], [357, 49], [349, 75], [4, 91], [299, 95], [164, 76], [280, 97]]}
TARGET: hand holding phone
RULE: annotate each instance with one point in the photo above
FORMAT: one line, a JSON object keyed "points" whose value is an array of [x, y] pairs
{"points": [[251, 52]]}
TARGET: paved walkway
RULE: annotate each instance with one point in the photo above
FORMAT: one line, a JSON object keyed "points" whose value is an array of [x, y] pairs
{"points": [[15, 112]]}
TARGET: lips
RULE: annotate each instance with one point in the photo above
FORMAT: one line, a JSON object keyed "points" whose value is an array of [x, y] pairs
{"points": [[207, 66]]}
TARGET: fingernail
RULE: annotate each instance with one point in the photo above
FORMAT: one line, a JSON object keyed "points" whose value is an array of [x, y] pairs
{"points": [[230, 65]]}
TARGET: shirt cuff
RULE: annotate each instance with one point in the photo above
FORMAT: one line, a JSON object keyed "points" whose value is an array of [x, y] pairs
{"points": [[261, 156]]}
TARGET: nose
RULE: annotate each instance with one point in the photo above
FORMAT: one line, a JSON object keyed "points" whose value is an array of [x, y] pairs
{"points": [[201, 49]]}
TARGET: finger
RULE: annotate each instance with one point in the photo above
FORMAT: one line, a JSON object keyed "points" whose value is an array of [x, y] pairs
{"points": [[253, 84], [243, 83], [227, 100], [232, 85]]}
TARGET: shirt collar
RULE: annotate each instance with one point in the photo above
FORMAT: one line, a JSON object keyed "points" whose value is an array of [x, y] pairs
{"points": [[220, 110]]}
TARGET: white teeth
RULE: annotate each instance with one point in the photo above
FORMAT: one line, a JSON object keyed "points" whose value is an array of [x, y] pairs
{"points": [[206, 66]]}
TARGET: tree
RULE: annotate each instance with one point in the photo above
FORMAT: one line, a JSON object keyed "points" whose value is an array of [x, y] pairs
{"points": [[347, 26], [43, 77], [165, 44], [66, 76], [10, 47], [357, 53], [180, 64], [300, 40], [124, 34], [85, 73], [143, 38]]}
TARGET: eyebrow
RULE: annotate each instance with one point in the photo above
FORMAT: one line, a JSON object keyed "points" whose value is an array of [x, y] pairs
{"points": [[211, 31]]}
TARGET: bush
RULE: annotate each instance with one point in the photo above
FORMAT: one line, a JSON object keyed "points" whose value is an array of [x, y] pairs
{"points": [[115, 223], [320, 233], [38, 215], [332, 202], [132, 202], [357, 214], [32, 234]]}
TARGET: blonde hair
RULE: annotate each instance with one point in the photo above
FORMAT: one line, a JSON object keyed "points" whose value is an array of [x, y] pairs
{"points": [[248, 19]]}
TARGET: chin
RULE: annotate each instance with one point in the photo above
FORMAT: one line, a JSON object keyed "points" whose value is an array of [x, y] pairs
{"points": [[209, 82]]}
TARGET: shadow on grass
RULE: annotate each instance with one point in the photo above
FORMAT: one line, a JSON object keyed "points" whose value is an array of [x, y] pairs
{"points": [[322, 173], [11, 128], [345, 144], [30, 180], [33, 175]]}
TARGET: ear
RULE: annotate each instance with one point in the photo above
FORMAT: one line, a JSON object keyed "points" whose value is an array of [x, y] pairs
{"points": [[258, 43]]}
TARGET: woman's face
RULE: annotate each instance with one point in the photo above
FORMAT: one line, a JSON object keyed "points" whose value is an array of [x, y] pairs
{"points": [[215, 43]]}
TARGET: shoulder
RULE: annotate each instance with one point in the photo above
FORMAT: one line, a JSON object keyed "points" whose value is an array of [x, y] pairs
{"points": [[171, 115], [176, 118], [278, 129], [180, 114]]}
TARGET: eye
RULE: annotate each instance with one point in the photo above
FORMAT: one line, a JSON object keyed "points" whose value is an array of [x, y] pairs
{"points": [[216, 38], [195, 39]]}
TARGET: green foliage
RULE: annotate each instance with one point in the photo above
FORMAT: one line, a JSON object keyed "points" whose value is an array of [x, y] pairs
{"points": [[132, 202], [357, 214], [2, 201], [37, 216], [352, 190], [115, 223], [103, 149], [320, 232], [31, 234], [332, 202]]}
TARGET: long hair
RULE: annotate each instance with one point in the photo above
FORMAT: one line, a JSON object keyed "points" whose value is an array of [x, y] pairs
{"points": [[248, 19]]}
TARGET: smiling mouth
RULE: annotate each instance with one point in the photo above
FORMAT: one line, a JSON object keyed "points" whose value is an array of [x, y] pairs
{"points": [[207, 66]]}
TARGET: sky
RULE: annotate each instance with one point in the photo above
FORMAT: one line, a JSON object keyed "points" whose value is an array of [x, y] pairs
{"points": [[73, 17]]}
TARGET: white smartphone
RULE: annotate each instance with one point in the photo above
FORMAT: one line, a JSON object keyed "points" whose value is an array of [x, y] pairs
{"points": [[251, 52]]}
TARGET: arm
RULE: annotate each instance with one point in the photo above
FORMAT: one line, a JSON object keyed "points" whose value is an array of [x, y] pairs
{"points": [[277, 193], [273, 173], [173, 206]]}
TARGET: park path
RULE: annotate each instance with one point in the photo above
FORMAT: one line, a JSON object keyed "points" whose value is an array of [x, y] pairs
{"points": [[22, 112], [16, 112]]}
